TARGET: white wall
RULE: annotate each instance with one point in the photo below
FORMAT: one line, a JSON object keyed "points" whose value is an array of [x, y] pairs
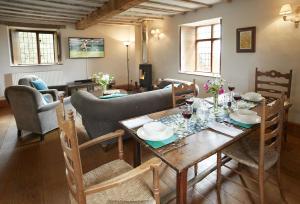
{"points": [[278, 44], [114, 61]]}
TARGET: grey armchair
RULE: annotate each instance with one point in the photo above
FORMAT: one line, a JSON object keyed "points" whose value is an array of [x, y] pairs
{"points": [[53, 90], [30, 112]]}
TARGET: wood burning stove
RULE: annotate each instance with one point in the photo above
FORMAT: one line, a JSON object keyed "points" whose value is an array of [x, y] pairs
{"points": [[146, 76]]}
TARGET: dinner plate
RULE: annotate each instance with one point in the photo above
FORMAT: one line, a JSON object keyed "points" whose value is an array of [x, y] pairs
{"points": [[245, 112], [145, 134], [251, 119], [252, 96]]}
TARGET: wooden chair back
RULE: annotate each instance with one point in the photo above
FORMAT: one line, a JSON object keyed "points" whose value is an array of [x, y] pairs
{"points": [[182, 92], [70, 147], [272, 83], [271, 128]]}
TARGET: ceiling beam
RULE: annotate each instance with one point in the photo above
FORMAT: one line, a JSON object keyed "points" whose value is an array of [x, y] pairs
{"points": [[197, 2], [32, 25], [14, 18], [172, 5], [18, 13], [157, 9], [41, 8], [30, 11], [108, 10]]}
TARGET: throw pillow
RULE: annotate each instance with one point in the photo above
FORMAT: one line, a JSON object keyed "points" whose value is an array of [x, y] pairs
{"points": [[39, 84]]}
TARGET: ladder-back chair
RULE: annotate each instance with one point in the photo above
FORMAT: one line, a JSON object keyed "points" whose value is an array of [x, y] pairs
{"points": [[182, 92], [260, 154], [113, 182]]}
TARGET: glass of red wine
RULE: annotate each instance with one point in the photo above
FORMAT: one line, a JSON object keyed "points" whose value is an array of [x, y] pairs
{"points": [[187, 114], [231, 88]]}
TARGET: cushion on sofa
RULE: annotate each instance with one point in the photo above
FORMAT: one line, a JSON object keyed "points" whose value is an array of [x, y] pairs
{"points": [[39, 84]]}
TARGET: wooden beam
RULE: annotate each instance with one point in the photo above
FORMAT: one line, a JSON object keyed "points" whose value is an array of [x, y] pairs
{"points": [[22, 10], [14, 18], [32, 25], [57, 5], [198, 3], [111, 8], [42, 8], [157, 9], [172, 5], [18, 13]]}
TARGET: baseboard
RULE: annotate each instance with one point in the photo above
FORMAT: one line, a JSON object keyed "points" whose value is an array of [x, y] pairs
{"points": [[3, 103]]}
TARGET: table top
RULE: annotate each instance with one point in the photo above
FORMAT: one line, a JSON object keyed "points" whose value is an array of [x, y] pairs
{"points": [[191, 149]]}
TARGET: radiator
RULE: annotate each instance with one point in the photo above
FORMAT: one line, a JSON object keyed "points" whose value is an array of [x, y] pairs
{"points": [[50, 77]]}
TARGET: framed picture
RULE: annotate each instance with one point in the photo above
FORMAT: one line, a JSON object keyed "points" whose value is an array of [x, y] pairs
{"points": [[86, 48], [246, 39]]}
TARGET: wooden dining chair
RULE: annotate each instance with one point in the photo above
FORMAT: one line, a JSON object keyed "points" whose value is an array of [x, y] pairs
{"points": [[271, 84], [113, 182], [261, 153], [181, 92]]}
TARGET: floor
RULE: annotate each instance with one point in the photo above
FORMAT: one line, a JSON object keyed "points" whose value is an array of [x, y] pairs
{"points": [[33, 173]]}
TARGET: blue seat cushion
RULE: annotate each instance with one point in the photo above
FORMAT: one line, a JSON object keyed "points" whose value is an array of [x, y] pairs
{"points": [[39, 84]]}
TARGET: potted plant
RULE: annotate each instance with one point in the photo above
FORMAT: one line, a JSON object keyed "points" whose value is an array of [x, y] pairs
{"points": [[103, 80]]}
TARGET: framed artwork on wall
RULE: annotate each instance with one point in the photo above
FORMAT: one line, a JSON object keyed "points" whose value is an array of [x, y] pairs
{"points": [[246, 40]]}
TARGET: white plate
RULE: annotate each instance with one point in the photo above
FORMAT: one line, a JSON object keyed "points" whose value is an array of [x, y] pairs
{"points": [[245, 112], [167, 133], [246, 119], [245, 104], [252, 96]]}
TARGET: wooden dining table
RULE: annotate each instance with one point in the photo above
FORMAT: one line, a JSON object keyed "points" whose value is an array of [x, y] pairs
{"points": [[182, 155]]}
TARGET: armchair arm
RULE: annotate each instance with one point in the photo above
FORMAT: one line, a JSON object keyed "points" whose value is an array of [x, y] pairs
{"points": [[47, 107], [97, 140], [53, 92], [152, 164]]}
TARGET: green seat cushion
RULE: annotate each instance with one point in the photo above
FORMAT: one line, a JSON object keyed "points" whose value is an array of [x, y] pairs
{"points": [[116, 95]]}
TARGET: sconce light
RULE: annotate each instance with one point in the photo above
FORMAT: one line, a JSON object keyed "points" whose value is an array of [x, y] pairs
{"points": [[286, 12], [157, 34]]}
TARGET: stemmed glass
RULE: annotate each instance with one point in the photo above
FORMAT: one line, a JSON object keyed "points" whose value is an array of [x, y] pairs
{"points": [[187, 114], [231, 88]]}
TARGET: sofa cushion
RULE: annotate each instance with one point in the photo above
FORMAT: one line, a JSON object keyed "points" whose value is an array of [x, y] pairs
{"points": [[39, 84]]}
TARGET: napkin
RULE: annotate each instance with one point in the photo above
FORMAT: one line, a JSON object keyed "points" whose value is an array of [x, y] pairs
{"points": [[137, 122], [221, 127]]}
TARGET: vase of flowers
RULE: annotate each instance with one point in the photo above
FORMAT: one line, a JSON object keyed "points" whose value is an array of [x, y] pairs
{"points": [[215, 87], [102, 79]]}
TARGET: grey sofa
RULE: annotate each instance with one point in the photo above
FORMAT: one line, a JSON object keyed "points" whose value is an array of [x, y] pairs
{"points": [[101, 116], [30, 111], [53, 90]]}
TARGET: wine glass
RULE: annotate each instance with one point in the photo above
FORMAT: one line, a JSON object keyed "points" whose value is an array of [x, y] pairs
{"points": [[231, 88], [187, 114]]}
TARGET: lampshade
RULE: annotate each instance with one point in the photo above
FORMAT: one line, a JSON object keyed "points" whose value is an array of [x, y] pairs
{"points": [[286, 9], [126, 43]]}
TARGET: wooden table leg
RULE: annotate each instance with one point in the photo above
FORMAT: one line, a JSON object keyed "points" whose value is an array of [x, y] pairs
{"points": [[181, 187], [137, 153]]}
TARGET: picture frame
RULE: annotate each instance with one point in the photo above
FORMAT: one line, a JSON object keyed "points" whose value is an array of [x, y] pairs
{"points": [[246, 40]]}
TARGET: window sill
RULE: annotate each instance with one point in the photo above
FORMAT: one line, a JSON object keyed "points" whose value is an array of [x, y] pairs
{"points": [[33, 65], [205, 74]]}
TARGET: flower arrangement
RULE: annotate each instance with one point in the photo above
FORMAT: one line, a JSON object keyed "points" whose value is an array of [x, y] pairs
{"points": [[215, 87], [102, 79]]}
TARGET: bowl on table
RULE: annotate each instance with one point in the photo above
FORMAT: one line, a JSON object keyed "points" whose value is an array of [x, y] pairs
{"points": [[252, 96], [155, 131]]}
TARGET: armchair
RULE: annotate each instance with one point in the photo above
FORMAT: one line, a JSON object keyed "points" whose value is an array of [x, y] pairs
{"points": [[54, 91], [30, 112]]}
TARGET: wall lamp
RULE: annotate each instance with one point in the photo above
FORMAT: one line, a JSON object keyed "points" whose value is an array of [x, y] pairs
{"points": [[157, 34], [286, 12]]}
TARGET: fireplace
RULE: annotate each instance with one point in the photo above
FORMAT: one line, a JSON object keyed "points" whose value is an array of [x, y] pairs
{"points": [[146, 76]]}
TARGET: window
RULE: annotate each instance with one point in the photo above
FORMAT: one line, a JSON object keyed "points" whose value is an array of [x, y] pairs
{"points": [[200, 48], [34, 47]]}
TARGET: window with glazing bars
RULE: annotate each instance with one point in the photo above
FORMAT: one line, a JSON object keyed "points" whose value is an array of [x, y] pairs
{"points": [[34, 47], [208, 48]]}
